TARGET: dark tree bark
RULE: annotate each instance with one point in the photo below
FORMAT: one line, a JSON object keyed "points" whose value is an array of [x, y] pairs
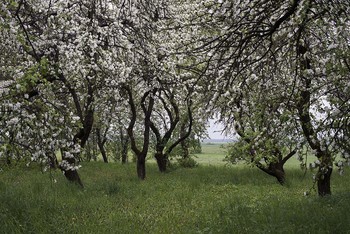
{"points": [[273, 168], [147, 103], [8, 158], [86, 115], [162, 161], [101, 144], [71, 175], [323, 176], [324, 183], [29, 23], [141, 166], [8, 161], [276, 168], [53, 161], [161, 156], [80, 138]]}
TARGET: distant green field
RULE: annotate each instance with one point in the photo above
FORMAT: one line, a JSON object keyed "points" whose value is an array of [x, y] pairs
{"points": [[212, 154]]}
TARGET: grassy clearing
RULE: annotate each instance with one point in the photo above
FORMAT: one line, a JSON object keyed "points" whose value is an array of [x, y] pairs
{"points": [[206, 199], [212, 154]]}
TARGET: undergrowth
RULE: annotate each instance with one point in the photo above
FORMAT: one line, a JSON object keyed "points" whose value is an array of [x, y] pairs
{"points": [[205, 199]]}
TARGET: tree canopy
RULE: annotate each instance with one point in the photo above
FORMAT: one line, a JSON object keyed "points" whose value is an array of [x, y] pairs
{"points": [[276, 73]]}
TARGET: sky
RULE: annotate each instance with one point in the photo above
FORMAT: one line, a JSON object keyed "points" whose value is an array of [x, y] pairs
{"points": [[214, 130]]}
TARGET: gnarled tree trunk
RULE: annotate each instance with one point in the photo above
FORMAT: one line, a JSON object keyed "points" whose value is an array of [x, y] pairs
{"points": [[71, 174], [324, 183], [323, 176], [141, 167], [161, 155], [276, 170], [147, 108], [162, 161]]}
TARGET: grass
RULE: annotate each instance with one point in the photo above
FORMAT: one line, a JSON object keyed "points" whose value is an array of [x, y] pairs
{"points": [[207, 199], [212, 154]]}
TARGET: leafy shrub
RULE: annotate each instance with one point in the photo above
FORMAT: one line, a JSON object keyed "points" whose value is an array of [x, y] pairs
{"points": [[188, 162]]}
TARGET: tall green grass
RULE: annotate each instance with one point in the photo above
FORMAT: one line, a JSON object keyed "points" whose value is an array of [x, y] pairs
{"points": [[206, 199], [212, 154]]}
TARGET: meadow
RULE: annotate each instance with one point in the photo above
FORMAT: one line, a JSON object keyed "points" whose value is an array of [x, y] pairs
{"points": [[211, 198]]}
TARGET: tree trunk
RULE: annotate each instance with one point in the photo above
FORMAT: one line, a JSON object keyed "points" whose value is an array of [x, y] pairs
{"points": [[161, 161], [101, 142], [103, 152], [324, 183], [141, 154], [8, 158], [73, 176], [310, 133], [141, 167], [53, 161], [276, 170]]}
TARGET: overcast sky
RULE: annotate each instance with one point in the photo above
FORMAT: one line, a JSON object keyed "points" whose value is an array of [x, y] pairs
{"points": [[214, 130]]}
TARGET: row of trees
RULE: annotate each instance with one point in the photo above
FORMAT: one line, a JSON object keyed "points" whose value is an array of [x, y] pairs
{"points": [[91, 66], [274, 72], [282, 76]]}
